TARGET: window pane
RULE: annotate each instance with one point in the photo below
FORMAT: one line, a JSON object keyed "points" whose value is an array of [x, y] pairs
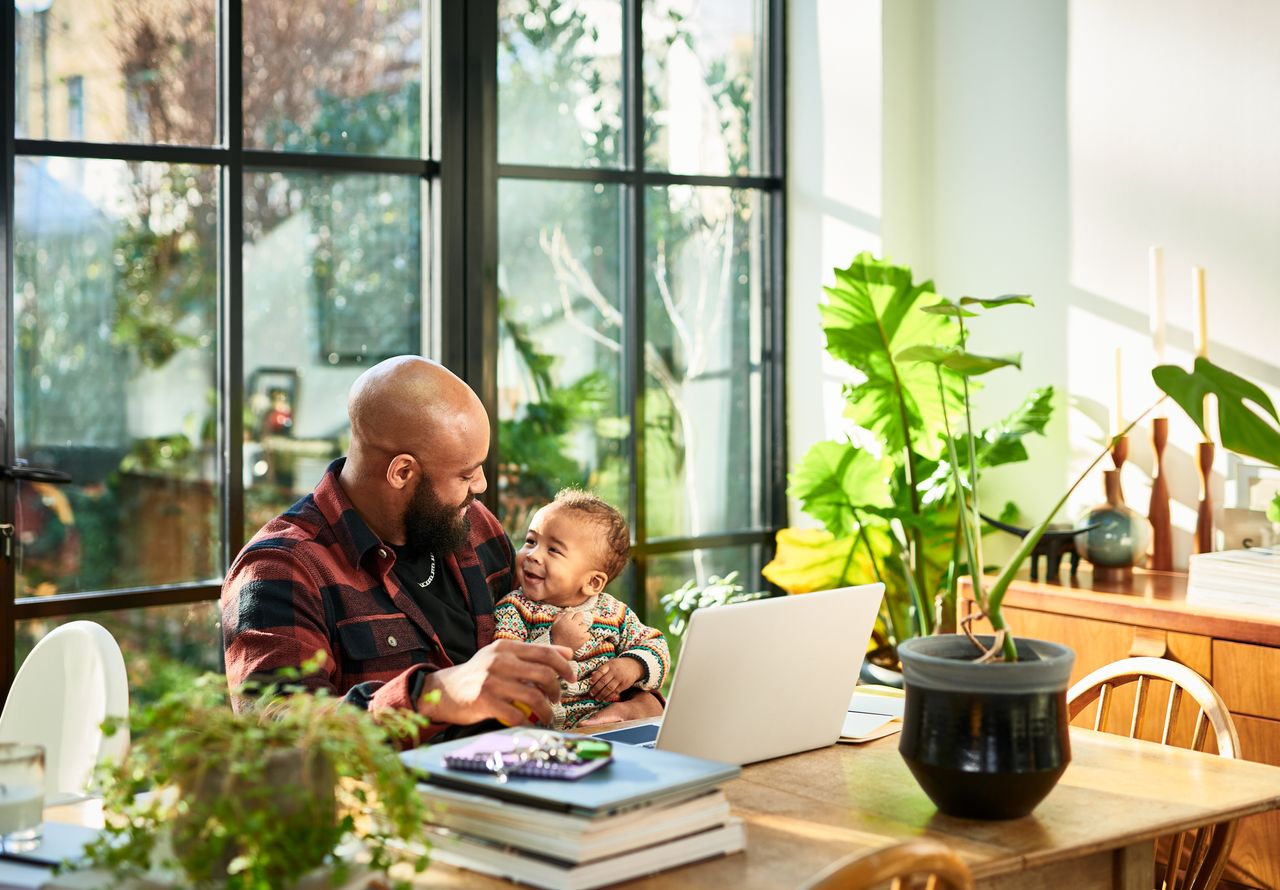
{"points": [[561, 410], [705, 76], [703, 327], [560, 82], [669, 572], [143, 71], [164, 647], [333, 272], [115, 373], [334, 76]]}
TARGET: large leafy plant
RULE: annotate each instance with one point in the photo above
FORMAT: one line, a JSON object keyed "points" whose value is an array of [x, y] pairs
{"points": [[887, 497], [257, 799]]}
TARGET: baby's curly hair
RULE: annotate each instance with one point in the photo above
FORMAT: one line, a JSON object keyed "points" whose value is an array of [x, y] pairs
{"points": [[616, 543]]}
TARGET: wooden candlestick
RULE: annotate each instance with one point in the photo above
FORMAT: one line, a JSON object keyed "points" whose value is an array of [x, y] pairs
{"points": [[1204, 519], [1119, 453], [1160, 558]]}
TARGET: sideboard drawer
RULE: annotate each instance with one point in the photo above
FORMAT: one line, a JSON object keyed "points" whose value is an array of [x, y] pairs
{"points": [[1244, 676]]}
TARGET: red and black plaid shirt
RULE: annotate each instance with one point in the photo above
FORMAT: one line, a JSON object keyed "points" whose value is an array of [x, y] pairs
{"points": [[317, 579]]}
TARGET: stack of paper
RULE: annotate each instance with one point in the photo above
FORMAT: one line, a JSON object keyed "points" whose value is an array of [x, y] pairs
{"points": [[1240, 580], [874, 712], [644, 812]]}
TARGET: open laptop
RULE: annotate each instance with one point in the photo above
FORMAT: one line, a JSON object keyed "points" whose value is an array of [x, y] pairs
{"points": [[764, 678]]}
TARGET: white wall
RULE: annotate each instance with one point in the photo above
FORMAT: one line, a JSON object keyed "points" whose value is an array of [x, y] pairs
{"points": [[1041, 147]]}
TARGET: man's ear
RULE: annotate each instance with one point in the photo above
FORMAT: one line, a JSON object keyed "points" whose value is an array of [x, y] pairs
{"points": [[401, 470], [596, 582]]}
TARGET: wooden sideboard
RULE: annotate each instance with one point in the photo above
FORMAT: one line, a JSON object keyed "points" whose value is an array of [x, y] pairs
{"points": [[1148, 615]]}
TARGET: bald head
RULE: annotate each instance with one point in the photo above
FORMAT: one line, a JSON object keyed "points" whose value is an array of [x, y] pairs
{"points": [[419, 438], [407, 404]]}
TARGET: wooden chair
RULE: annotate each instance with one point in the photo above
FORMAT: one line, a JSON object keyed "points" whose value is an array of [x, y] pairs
{"points": [[923, 864], [1200, 855]]}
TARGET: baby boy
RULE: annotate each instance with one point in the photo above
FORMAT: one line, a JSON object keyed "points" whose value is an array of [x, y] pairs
{"points": [[575, 546]]}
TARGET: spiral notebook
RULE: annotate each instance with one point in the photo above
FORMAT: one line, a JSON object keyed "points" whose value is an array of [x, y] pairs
{"points": [[478, 757]]}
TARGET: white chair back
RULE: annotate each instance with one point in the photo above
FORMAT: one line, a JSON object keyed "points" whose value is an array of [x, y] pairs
{"points": [[73, 679]]}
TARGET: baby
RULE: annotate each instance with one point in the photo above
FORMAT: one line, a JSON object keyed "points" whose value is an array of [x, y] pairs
{"points": [[575, 546]]}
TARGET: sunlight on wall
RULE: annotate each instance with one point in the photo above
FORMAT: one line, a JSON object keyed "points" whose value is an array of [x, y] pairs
{"points": [[833, 193]]}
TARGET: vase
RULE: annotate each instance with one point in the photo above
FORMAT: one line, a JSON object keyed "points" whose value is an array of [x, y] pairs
{"points": [[985, 741], [1119, 539]]}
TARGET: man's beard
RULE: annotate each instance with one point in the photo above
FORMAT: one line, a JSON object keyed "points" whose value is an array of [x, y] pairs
{"points": [[432, 526]]}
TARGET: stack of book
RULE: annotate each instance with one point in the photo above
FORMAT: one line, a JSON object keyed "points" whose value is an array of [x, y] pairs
{"points": [[1242, 580], [644, 812]]}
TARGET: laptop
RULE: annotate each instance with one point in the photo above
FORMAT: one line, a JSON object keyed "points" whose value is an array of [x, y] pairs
{"points": [[764, 678]]}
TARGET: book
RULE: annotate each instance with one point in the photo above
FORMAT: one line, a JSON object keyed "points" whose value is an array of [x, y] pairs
{"points": [[488, 857], [569, 837], [1243, 580], [635, 777], [479, 757]]}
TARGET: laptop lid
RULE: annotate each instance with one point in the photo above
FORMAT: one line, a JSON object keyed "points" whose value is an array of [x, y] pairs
{"points": [[770, 677]]}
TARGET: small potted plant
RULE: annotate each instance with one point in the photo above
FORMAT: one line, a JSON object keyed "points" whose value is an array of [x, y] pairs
{"points": [[265, 798], [985, 723]]}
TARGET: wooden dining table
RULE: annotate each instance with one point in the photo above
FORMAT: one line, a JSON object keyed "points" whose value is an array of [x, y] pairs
{"points": [[1096, 829]]}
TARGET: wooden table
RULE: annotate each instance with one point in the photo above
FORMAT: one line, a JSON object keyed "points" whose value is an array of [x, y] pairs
{"points": [[1096, 829]]}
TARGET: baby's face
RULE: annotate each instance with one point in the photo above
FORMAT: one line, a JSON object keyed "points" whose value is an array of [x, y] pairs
{"points": [[559, 562]]}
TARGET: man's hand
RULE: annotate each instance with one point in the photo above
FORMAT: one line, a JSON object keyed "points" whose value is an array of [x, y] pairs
{"points": [[572, 629], [614, 677], [497, 679]]}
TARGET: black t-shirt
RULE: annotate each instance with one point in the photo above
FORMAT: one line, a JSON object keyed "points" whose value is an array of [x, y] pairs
{"points": [[442, 602]]}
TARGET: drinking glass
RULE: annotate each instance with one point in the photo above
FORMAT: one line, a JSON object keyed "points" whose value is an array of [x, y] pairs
{"points": [[21, 796]]}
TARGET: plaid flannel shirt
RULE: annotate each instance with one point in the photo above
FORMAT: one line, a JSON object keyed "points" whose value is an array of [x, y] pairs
{"points": [[318, 579]]}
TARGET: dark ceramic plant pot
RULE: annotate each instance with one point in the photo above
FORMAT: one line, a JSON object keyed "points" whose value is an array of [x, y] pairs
{"points": [[985, 741]]}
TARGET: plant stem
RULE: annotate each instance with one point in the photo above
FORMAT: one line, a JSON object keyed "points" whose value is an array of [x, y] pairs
{"points": [[889, 618], [995, 596], [916, 563], [968, 530]]}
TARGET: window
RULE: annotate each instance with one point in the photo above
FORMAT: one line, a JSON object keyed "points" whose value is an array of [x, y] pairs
{"points": [[638, 233], [227, 214]]}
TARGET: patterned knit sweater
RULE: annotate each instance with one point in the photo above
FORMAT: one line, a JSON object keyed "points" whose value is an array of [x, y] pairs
{"points": [[615, 631]]}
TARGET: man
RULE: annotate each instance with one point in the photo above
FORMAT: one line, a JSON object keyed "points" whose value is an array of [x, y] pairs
{"points": [[391, 567]]}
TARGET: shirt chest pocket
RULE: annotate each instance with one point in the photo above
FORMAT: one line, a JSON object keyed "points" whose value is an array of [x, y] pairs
{"points": [[381, 636]]}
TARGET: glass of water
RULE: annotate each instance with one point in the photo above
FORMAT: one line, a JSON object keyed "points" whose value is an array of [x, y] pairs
{"points": [[21, 796]]}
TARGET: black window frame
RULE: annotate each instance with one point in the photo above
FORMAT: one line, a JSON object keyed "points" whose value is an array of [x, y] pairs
{"points": [[465, 181]]}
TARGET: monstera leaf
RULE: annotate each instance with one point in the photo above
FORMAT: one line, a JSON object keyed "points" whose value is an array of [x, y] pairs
{"points": [[873, 312], [1243, 407], [835, 479]]}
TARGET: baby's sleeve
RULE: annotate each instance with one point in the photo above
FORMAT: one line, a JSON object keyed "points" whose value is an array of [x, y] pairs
{"points": [[510, 626], [648, 646]]}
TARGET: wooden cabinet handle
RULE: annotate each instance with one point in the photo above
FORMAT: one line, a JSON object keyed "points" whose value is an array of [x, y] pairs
{"points": [[1150, 642]]}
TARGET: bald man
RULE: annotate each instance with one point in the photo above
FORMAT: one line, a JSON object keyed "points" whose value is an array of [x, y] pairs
{"points": [[391, 567]]}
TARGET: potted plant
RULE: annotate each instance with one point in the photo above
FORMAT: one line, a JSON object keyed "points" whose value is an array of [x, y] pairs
{"points": [[985, 723], [261, 799], [883, 494]]}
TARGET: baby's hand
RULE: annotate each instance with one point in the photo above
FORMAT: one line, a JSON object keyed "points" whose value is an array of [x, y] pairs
{"points": [[572, 629], [615, 677]]}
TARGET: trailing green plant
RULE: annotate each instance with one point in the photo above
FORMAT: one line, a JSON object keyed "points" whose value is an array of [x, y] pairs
{"points": [[885, 495], [1273, 509], [256, 799]]}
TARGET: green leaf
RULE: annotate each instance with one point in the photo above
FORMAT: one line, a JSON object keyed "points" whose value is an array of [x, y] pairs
{"points": [[873, 312], [1242, 405], [1273, 509], [1002, 443], [997, 302], [836, 477], [949, 309], [953, 358]]}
